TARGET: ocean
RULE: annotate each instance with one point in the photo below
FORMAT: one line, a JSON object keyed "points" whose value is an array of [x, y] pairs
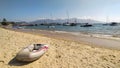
{"points": [[95, 29]]}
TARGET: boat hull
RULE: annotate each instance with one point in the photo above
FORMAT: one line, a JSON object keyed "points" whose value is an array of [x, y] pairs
{"points": [[29, 54]]}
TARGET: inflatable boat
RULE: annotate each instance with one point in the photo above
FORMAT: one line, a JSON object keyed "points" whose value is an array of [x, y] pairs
{"points": [[32, 52]]}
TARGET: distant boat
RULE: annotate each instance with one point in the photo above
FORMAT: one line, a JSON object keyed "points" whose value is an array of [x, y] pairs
{"points": [[17, 27], [105, 24], [86, 25], [66, 24], [73, 24], [107, 21], [26, 24], [51, 26], [113, 23], [69, 24]]}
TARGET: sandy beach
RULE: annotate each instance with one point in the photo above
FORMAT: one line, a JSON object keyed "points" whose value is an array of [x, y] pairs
{"points": [[61, 53]]}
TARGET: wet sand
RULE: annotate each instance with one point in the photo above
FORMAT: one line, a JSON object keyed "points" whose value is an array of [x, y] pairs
{"points": [[92, 40], [61, 53]]}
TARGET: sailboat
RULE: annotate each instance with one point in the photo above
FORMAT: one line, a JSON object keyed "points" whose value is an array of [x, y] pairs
{"points": [[86, 24], [68, 23], [74, 24], [105, 24], [51, 25]]}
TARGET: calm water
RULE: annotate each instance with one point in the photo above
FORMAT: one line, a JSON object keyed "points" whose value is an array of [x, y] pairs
{"points": [[96, 29]]}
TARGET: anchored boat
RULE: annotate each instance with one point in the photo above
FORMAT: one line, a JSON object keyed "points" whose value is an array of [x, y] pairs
{"points": [[86, 25], [32, 52]]}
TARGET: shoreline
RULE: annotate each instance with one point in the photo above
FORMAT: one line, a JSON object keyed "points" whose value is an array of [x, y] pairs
{"points": [[97, 35], [94, 40]]}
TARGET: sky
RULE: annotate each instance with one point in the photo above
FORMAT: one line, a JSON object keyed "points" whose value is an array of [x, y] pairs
{"points": [[30, 10]]}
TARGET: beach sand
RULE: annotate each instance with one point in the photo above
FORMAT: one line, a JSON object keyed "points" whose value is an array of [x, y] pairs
{"points": [[61, 53]]}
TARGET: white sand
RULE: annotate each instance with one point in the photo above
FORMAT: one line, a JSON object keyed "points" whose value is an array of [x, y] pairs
{"points": [[61, 54]]}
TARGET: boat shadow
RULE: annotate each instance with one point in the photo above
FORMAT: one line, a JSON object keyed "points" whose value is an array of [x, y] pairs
{"points": [[14, 62]]}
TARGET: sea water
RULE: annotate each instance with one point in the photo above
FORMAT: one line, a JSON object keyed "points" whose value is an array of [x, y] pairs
{"points": [[95, 29]]}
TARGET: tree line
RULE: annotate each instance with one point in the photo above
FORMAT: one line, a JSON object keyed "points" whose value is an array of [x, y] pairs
{"points": [[6, 23]]}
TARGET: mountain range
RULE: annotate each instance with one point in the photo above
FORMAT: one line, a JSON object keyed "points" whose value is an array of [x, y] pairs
{"points": [[71, 20]]}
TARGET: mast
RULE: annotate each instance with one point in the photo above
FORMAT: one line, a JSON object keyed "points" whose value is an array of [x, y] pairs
{"points": [[67, 16], [75, 20], [51, 16], [107, 19]]}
